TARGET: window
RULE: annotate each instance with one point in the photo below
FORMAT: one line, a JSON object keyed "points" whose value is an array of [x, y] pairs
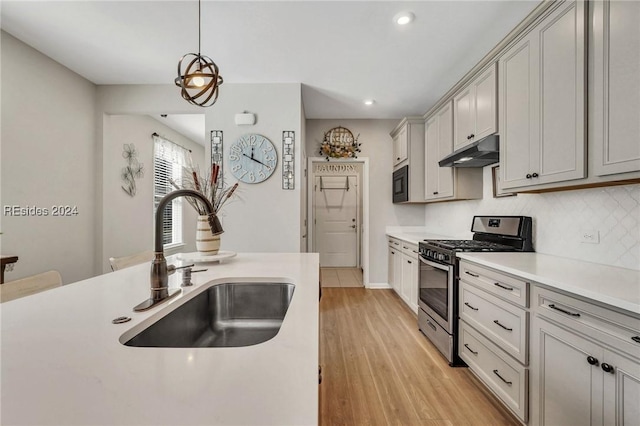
{"points": [[168, 161]]}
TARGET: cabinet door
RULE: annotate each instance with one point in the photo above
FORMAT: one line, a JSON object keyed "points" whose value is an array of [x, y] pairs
{"points": [[439, 144], [431, 153], [407, 272], [414, 284], [393, 253], [542, 84], [463, 105], [485, 104], [400, 146], [615, 87], [566, 389], [445, 147], [621, 390], [561, 155], [397, 272], [518, 101]]}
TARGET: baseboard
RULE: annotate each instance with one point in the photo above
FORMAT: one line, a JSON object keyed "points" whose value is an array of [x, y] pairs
{"points": [[379, 286]]}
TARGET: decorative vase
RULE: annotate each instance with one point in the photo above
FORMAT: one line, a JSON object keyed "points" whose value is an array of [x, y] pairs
{"points": [[207, 243]]}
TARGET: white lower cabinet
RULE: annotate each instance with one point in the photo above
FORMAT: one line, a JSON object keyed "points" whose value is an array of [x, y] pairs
{"points": [[504, 376], [493, 338], [403, 268], [585, 363], [409, 289]]}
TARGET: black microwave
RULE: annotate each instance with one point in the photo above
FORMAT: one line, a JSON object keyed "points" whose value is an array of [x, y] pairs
{"points": [[401, 185]]}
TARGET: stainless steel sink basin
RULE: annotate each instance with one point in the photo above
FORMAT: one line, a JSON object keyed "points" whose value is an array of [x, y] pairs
{"points": [[225, 315]]}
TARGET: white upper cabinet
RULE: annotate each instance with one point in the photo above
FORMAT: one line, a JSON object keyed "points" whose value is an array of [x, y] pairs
{"points": [[446, 183], [615, 85], [400, 145], [408, 150], [542, 101], [475, 109], [438, 144]]}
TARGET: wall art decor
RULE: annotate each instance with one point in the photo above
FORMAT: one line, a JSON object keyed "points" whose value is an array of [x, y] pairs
{"points": [[339, 142], [133, 170], [288, 160]]}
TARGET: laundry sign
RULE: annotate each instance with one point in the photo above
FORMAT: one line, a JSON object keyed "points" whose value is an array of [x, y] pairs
{"points": [[335, 168]]}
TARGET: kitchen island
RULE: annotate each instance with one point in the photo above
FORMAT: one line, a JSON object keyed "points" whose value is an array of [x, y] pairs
{"points": [[62, 361]]}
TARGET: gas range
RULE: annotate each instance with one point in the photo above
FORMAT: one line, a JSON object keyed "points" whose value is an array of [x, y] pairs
{"points": [[438, 275], [491, 234]]}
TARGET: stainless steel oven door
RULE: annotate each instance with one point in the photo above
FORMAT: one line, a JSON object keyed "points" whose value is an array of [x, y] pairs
{"points": [[436, 292]]}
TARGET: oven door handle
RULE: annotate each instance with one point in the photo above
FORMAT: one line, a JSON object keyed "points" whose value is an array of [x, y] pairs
{"points": [[440, 266]]}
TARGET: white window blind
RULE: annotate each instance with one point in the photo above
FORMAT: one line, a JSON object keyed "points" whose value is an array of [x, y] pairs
{"points": [[168, 161]]}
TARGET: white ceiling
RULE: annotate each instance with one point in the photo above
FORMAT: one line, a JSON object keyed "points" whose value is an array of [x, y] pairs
{"points": [[341, 51]]}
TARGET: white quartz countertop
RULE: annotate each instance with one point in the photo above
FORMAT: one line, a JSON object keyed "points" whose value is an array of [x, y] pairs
{"points": [[62, 362], [616, 287], [414, 236]]}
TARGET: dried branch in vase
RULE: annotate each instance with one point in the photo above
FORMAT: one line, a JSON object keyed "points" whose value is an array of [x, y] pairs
{"points": [[210, 185]]}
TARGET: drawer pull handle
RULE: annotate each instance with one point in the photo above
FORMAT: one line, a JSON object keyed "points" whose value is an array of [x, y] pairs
{"points": [[396, 243], [432, 326], [475, 309], [415, 251], [592, 361], [552, 306], [473, 275], [502, 378], [607, 368], [408, 261], [503, 287], [498, 323], [405, 247], [636, 339], [470, 350]]}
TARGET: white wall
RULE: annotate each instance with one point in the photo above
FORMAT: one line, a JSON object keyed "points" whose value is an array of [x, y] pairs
{"points": [[264, 217], [128, 221], [559, 219], [125, 100], [377, 146], [47, 157]]}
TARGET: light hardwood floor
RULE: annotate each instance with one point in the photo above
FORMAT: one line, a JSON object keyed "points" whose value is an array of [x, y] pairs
{"points": [[378, 369], [341, 277]]}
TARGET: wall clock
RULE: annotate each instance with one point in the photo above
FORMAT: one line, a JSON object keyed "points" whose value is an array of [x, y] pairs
{"points": [[252, 158]]}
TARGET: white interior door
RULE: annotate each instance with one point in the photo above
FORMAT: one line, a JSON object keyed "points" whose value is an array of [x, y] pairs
{"points": [[336, 220]]}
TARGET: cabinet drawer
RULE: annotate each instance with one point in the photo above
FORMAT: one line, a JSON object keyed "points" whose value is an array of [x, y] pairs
{"points": [[409, 249], [394, 243], [507, 379], [613, 328], [436, 334], [502, 285], [501, 322]]}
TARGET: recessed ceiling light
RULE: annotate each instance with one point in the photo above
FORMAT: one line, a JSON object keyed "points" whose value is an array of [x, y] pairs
{"points": [[404, 18], [369, 102]]}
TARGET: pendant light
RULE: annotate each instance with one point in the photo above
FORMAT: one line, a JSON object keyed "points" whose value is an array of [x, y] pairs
{"points": [[198, 76]]}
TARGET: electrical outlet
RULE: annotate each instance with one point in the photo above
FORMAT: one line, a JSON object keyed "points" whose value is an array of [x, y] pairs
{"points": [[590, 236]]}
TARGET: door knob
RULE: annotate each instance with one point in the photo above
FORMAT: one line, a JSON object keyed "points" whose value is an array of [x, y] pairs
{"points": [[535, 175], [591, 360], [528, 176]]}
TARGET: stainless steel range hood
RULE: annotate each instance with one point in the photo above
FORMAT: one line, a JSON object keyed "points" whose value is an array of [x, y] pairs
{"points": [[479, 154]]}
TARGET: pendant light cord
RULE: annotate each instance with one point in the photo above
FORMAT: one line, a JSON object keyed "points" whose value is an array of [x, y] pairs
{"points": [[199, 26]]}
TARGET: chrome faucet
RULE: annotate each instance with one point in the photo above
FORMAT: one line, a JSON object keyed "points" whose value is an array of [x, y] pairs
{"points": [[159, 270]]}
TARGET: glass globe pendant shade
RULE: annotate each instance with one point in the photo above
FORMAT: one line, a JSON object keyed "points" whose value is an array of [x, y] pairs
{"points": [[198, 79]]}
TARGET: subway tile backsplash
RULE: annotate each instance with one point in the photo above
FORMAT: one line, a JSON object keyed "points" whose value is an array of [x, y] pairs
{"points": [[559, 220]]}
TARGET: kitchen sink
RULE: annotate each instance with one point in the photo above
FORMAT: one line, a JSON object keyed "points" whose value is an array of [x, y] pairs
{"points": [[224, 315]]}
